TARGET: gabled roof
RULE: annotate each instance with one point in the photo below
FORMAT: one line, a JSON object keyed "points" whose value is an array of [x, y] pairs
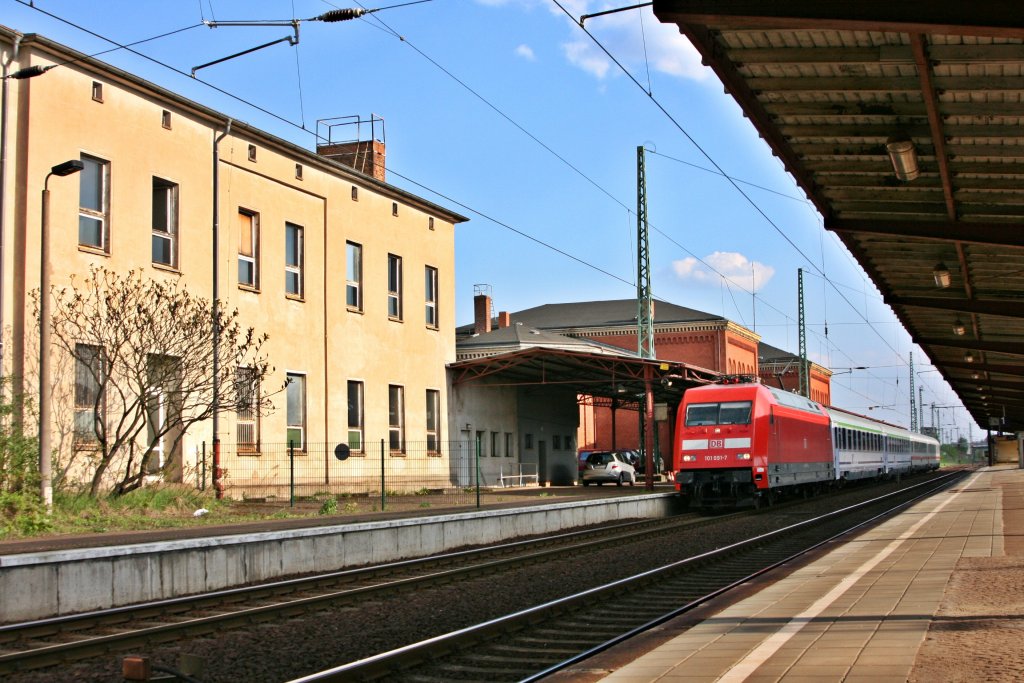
{"points": [[588, 314], [519, 336]]}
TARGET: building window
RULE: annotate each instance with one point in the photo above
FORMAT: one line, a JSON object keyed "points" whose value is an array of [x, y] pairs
{"points": [[293, 259], [433, 421], [394, 208], [394, 287], [495, 452], [296, 395], [355, 416], [556, 442], [298, 171], [248, 249], [90, 376], [508, 444], [430, 295], [247, 413], [528, 441], [93, 203], [97, 91], [354, 276], [481, 446], [165, 119], [430, 222], [396, 418], [165, 223], [355, 193], [252, 152]]}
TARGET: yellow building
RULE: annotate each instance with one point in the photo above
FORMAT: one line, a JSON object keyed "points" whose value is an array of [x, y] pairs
{"points": [[352, 278]]}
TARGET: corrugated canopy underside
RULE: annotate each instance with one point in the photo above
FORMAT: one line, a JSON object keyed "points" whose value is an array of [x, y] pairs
{"points": [[828, 84]]}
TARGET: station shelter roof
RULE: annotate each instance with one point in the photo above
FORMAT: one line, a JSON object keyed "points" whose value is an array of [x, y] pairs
{"points": [[837, 90]]}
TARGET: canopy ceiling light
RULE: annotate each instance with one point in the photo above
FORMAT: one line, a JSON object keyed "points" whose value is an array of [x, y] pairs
{"points": [[904, 157], [941, 275], [968, 357], [958, 328], [975, 375]]}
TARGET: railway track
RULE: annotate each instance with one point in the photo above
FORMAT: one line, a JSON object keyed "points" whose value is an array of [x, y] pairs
{"points": [[59, 640], [534, 643]]}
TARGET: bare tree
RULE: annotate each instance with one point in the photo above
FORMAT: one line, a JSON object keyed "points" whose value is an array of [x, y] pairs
{"points": [[143, 366]]}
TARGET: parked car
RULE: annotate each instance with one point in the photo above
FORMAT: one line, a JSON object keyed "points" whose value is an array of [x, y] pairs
{"points": [[582, 460], [610, 466]]}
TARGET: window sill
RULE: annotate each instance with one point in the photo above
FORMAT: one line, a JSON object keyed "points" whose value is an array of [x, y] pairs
{"points": [[433, 328], [355, 309], [89, 249], [295, 297], [394, 319], [167, 268], [249, 288]]}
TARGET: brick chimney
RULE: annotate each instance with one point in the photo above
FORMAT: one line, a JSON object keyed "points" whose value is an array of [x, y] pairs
{"points": [[481, 314], [504, 320], [365, 156]]}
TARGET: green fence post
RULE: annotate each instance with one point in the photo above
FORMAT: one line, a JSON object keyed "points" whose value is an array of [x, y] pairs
{"points": [[478, 472], [202, 482], [291, 473], [383, 494]]}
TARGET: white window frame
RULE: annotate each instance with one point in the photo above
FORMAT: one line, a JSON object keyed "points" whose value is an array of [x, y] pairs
{"points": [[354, 275], [294, 284], [394, 287], [433, 417], [101, 213], [430, 296], [90, 403], [247, 413], [295, 389], [165, 194], [252, 259], [396, 418], [358, 428]]}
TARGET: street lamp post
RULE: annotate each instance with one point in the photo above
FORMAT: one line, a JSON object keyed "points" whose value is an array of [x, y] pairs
{"points": [[64, 169]]}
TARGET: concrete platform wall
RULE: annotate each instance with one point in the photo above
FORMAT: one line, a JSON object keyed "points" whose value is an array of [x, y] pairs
{"points": [[40, 585]]}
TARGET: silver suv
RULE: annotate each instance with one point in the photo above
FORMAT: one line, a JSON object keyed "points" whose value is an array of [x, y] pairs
{"points": [[610, 466]]}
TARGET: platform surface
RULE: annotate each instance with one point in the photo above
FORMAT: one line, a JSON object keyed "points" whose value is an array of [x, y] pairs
{"points": [[868, 610]]}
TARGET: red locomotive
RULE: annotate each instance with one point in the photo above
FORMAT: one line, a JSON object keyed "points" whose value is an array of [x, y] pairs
{"points": [[744, 441]]}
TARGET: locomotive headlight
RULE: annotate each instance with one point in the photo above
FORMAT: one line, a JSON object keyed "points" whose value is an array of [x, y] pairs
{"points": [[689, 458], [744, 456]]}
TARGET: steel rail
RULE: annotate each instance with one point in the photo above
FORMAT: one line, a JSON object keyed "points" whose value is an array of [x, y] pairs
{"points": [[378, 579], [401, 662]]}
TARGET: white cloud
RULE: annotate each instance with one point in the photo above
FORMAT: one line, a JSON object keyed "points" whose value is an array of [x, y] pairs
{"points": [[526, 52], [584, 56], [735, 268], [636, 45]]}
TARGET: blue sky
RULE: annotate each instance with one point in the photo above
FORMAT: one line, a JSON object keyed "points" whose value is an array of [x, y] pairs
{"points": [[508, 112]]}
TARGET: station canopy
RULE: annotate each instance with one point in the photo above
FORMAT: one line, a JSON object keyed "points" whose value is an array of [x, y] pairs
{"points": [[902, 122], [605, 377]]}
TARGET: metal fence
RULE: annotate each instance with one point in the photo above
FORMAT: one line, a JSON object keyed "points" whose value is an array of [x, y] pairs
{"points": [[421, 474]]}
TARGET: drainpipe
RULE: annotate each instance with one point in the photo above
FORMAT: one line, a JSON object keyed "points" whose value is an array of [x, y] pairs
{"points": [[3, 188], [218, 485]]}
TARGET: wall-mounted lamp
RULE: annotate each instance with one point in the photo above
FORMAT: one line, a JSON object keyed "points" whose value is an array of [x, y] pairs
{"points": [[904, 157], [958, 328], [941, 275], [975, 375], [968, 357]]}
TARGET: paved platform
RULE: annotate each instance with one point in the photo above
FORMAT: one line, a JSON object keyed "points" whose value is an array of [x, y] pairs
{"points": [[862, 611]]}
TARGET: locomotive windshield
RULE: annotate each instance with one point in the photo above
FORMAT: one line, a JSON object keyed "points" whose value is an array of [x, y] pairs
{"points": [[729, 413]]}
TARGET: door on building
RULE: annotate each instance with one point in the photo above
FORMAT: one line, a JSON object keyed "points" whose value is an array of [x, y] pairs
{"points": [[464, 462]]}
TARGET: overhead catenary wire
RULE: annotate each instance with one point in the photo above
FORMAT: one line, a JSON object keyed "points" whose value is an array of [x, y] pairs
{"points": [[302, 127]]}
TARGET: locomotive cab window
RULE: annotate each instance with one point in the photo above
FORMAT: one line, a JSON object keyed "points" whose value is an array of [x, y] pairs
{"points": [[730, 413]]}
